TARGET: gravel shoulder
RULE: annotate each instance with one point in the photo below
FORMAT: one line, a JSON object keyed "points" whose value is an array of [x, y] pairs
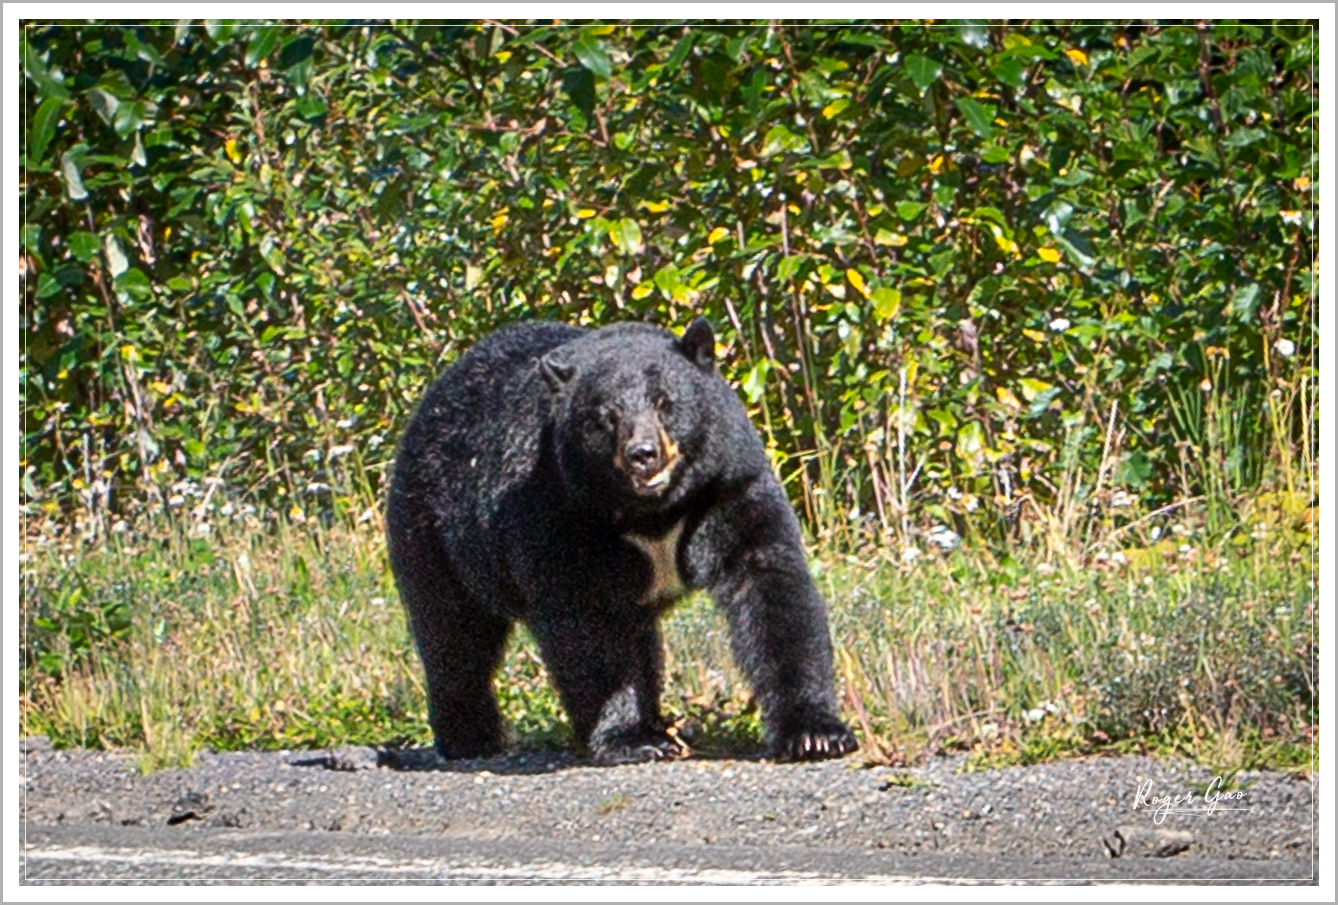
{"points": [[1065, 820]]}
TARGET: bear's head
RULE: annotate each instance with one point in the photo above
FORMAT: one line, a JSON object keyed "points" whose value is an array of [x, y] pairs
{"points": [[630, 406]]}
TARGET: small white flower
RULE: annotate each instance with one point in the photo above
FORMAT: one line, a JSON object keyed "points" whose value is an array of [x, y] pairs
{"points": [[375, 440], [1156, 532], [176, 499], [1286, 348], [345, 423], [1035, 715], [1120, 499], [1292, 218], [943, 537], [1060, 324], [377, 601], [909, 554], [1046, 568], [1119, 558], [342, 450], [312, 454]]}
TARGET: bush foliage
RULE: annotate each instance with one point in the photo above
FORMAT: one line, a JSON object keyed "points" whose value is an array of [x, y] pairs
{"points": [[954, 267]]}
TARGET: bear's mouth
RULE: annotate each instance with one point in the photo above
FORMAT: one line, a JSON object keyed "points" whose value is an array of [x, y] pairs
{"points": [[651, 476]]}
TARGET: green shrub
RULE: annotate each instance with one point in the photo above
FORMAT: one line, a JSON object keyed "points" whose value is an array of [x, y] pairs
{"points": [[982, 274]]}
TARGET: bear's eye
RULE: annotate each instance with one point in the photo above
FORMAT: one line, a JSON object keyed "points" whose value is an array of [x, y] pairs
{"points": [[608, 418], [663, 404]]}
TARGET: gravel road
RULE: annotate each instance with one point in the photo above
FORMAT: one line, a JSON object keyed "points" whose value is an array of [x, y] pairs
{"points": [[356, 814]]}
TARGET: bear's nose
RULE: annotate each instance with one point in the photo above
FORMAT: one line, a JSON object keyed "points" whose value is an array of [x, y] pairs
{"points": [[642, 455]]}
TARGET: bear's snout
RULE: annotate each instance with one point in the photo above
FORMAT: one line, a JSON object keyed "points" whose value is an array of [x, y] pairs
{"points": [[643, 456], [648, 457]]}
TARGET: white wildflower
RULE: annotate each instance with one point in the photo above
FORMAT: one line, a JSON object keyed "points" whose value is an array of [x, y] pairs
{"points": [[909, 553], [1286, 348], [1292, 218], [943, 537], [1060, 324], [341, 450]]}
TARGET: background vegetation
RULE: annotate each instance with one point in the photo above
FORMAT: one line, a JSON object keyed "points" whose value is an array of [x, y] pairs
{"points": [[1042, 289]]}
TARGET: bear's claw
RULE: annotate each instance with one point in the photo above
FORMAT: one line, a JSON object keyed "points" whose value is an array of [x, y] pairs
{"points": [[817, 743]]}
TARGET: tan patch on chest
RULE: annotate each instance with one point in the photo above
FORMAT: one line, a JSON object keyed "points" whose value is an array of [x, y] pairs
{"points": [[666, 583]]}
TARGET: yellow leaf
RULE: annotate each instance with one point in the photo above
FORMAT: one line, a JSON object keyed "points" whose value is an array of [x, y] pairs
{"points": [[1049, 254], [655, 207], [586, 213], [794, 209], [716, 235], [1005, 243], [835, 107], [857, 280], [503, 55], [895, 240], [1301, 183], [640, 292], [1077, 56], [499, 221], [230, 146], [1007, 398], [1036, 335], [936, 165]]}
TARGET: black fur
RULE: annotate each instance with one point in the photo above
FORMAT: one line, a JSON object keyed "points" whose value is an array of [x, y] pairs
{"points": [[532, 484]]}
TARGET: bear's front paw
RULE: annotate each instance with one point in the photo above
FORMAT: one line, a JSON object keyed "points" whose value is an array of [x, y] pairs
{"points": [[636, 748], [817, 739]]}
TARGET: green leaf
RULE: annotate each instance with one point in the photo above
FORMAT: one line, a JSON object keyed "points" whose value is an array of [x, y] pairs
{"points": [[626, 234], [116, 259], [1135, 470], [579, 85], [995, 154], [1056, 215], [980, 117], [74, 183], [922, 70], [129, 117], [310, 106], [1244, 301], [1011, 71], [84, 245], [105, 103], [886, 303], [754, 384], [974, 33], [35, 69], [43, 128], [789, 266], [679, 54], [909, 210], [1041, 403], [590, 51], [262, 42]]}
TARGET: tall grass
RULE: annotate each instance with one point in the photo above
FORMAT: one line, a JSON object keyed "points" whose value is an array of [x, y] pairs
{"points": [[1088, 622]]}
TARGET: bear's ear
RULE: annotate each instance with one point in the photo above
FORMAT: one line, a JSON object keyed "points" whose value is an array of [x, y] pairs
{"points": [[557, 369], [698, 343]]}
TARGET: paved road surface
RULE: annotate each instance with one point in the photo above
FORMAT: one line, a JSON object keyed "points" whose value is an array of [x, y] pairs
{"points": [[543, 818]]}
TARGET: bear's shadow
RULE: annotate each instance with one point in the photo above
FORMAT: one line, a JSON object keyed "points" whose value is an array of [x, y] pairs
{"points": [[516, 762]]}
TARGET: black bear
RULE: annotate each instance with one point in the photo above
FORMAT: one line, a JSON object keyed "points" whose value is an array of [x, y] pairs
{"points": [[580, 481]]}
